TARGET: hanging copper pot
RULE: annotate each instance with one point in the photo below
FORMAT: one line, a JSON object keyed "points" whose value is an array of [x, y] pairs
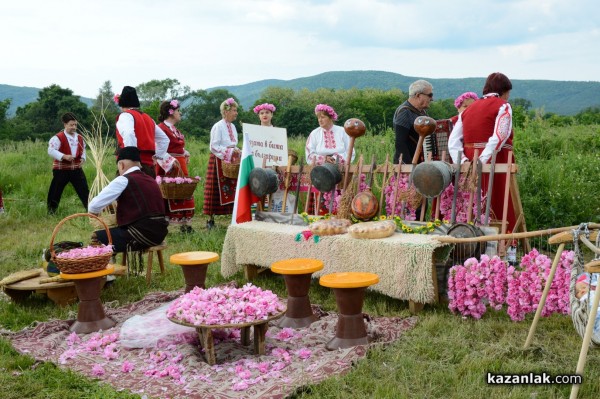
{"points": [[364, 204], [263, 181], [432, 177]]}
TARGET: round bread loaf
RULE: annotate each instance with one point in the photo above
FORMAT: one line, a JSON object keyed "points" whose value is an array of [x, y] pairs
{"points": [[381, 229], [329, 227]]}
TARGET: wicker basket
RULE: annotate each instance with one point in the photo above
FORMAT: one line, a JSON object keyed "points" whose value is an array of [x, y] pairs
{"points": [[80, 265], [177, 191], [230, 170], [108, 216]]}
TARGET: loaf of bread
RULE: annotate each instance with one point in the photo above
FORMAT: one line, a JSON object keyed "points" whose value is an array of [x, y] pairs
{"points": [[328, 227], [381, 229]]}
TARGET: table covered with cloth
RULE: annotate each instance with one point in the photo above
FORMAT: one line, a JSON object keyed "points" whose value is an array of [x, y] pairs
{"points": [[404, 262]]}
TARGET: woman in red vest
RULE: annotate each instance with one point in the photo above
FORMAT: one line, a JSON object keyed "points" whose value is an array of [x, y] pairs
{"points": [[486, 125], [68, 150], [178, 211]]}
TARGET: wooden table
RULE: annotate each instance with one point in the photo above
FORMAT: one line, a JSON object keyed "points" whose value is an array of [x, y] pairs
{"points": [[405, 263], [62, 293], [206, 337]]}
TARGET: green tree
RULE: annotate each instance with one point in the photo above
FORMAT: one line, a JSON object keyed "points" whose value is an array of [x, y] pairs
{"points": [[41, 118], [105, 105], [203, 112], [160, 90]]}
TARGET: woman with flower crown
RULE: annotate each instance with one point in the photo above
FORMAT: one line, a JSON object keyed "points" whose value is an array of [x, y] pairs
{"points": [[328, 143], [487, 126], [265, 113], [178, 211], [219, 191]]}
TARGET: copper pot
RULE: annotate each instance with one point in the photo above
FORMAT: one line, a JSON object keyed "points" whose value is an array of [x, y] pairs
{"points": [[364, 205]]}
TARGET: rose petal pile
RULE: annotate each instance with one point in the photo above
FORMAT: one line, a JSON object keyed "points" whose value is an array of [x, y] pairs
{"points": [[224, 305], [177, 180], [87, 252]]}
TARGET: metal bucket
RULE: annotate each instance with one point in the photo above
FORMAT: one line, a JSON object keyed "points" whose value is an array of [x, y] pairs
{"points": [[325, 177], [464, 251], [263, 181], [431, 178]]}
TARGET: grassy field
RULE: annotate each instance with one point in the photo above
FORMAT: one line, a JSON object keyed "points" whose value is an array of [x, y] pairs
{"points": [[443, 357]]}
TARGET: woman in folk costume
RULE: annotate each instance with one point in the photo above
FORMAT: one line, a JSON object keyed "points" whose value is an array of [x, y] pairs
{"points": [[137, 129], [486, 125], [462, 102], [178, 211], [328, 143], [219, 191]]}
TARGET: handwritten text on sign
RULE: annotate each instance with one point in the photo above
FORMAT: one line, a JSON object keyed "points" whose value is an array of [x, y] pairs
{"points": [[269, 143]]}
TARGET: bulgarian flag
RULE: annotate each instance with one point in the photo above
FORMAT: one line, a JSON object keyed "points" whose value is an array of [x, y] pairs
{"points": [[243, 196]]}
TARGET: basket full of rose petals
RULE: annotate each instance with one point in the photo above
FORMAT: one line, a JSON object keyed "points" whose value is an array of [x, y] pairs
{"points": [[82, 260], [179, 187]]}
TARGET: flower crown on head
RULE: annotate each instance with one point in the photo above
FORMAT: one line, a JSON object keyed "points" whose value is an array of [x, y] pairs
{"points": [[229, 103], [173, 105], [267, 106], [328, 110], [460, 99], [116, 98]]}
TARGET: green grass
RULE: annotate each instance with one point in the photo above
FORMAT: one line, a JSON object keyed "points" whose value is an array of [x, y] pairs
{"points": [[444, 356]]}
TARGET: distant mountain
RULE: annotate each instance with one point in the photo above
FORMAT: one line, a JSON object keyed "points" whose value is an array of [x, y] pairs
{"points": [[560, 97], [21, 95]]}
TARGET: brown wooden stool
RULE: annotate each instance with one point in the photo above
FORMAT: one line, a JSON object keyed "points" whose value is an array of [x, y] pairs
{"points": [[349, 289], [194, 266], [297, 273], [158, 249], [90, 314]]}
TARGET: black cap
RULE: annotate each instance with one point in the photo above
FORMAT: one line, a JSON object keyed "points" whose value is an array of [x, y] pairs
{"points": [[129, 98], [130, 153]]}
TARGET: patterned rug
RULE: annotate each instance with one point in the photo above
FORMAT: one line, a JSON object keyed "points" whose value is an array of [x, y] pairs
{"points": [[174, 367]]}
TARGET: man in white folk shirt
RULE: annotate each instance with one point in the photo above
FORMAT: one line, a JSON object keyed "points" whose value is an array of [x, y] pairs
{"points": [[68, 150]]}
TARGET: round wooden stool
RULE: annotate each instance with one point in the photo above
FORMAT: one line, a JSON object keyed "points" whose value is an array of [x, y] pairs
{"points": [[90, 314], [297, 273], [349, 289], [194, 266]]}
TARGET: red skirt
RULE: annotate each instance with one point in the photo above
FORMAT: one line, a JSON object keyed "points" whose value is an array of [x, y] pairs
{"points": [[219, 191], [179, 211]]}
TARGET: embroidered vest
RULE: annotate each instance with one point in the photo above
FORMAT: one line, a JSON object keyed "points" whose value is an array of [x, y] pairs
{"points": [[143, 126], [65, 148], [140, 199]]}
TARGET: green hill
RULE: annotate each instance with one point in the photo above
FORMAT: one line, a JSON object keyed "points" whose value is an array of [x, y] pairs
{"points": [[560, 97]]}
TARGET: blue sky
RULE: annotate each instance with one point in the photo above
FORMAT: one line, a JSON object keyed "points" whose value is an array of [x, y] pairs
{"points": [[81, 44]]}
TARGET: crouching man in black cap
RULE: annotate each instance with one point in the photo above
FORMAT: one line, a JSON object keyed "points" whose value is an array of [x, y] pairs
{"points": [[141, 219]]}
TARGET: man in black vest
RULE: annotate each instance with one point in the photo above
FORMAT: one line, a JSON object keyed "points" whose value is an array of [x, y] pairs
{"points": [[141, 219]]}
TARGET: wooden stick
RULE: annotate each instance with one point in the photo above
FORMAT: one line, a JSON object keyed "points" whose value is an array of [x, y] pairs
{"points": [[589, 330], [261, 202], [566, 232], [308, 193], [489, 191], [424, 200], [382, 194], [288, 176], [395, 195], [472, 192], [348, 160], [540, 307], [455, 195]]}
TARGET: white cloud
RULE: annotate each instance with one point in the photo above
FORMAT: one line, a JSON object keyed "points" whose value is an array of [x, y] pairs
{"points": [[206, 43]]}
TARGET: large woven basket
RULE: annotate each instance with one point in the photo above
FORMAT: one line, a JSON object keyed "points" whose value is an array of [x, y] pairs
{"points": [[230, 170], [108, 216], [178, 191], [80, 265]]}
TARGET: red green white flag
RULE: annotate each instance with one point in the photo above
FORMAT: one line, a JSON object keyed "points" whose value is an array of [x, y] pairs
{"points": [[243, 196]]}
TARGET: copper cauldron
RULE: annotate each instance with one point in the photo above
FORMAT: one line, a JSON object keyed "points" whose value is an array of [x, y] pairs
{"points": [[432, 177], [364, 205]]}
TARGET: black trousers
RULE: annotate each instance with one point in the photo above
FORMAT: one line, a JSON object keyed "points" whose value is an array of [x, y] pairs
{"points": [[60, 180]]}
